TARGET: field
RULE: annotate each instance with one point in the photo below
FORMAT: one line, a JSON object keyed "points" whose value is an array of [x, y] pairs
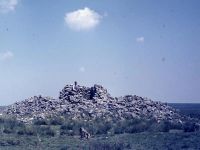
{"points": [[140, 141], [58, 134]]}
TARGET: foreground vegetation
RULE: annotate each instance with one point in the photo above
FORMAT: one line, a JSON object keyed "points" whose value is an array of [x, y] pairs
{"points": [[63, 133], [140, 141]]}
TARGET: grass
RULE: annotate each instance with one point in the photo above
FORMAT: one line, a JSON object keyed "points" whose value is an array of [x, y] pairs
{"points": [[63, 133], [140, 141]]}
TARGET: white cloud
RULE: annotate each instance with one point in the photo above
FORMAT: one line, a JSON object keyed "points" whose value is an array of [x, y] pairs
{"points": [[7, 5], [140, 39], [82, 69], [82, 19], [6, 56]]}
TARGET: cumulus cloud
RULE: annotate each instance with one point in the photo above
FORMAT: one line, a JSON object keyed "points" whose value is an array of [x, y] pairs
{"points": [[6, 56], [82, 19], [7, 5], [82, 69], [140, 39]]}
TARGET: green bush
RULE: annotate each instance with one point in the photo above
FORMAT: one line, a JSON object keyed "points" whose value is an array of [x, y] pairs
{"points": [[8, 131], [118, 128], [30, 131], [11, 123], [131, 126], [68, 126], [67, 132], [103, 128], [21, 132], [190, 127], [44, 131], [13, 142], [56, 121], [40, 122]]}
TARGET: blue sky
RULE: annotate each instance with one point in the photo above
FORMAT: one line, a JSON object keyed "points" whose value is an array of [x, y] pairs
{"points": [[147, 48]]}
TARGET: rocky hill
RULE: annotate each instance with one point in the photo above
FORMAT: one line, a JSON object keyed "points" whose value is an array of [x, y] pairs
{"points": [[80, 102]]}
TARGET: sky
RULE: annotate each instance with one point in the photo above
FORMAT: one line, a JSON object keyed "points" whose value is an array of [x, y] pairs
{"points": [[138, 47]]}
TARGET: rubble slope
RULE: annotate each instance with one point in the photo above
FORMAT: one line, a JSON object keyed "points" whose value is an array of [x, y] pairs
{"points": [[80, 102]]}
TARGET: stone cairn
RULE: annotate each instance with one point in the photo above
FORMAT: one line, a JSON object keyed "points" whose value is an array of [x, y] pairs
{"points": [[80, 102]]}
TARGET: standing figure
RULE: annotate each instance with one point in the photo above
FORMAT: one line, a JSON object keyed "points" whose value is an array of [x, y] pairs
{"points": [[74, 86]]}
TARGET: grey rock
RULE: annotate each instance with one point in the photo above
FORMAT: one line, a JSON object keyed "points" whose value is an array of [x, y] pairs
{"points": [[82, 102]]}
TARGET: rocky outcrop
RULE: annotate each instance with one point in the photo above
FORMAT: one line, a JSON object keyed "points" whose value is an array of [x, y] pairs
{"points": [[80, 102]]}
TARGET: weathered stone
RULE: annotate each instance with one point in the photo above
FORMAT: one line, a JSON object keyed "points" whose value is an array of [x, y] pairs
{"points": [[82, 102]]}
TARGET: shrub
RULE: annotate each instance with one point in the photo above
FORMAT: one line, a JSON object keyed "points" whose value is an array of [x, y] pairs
{"points": [[40, 122], [8, 131], [13, 142], [67, 132], [119, 128], [56, 121], [45, 131], [21, 132], [12, 123], [131, 126], [50, 132], [136, 125], [103, 128], [190, 127], [68, 126], [30, 131]]}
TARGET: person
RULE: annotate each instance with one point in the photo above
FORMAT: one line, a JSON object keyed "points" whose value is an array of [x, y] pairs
{"points": [[75, 83], [74, 86]]}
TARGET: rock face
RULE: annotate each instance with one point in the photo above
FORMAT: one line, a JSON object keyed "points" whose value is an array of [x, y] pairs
{"points": [[80, 102]]}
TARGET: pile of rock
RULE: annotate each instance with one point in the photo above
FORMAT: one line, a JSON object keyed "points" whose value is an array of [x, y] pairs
{"points": [[33, 108], [136, 106], [76, 93], [83, 102]]}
